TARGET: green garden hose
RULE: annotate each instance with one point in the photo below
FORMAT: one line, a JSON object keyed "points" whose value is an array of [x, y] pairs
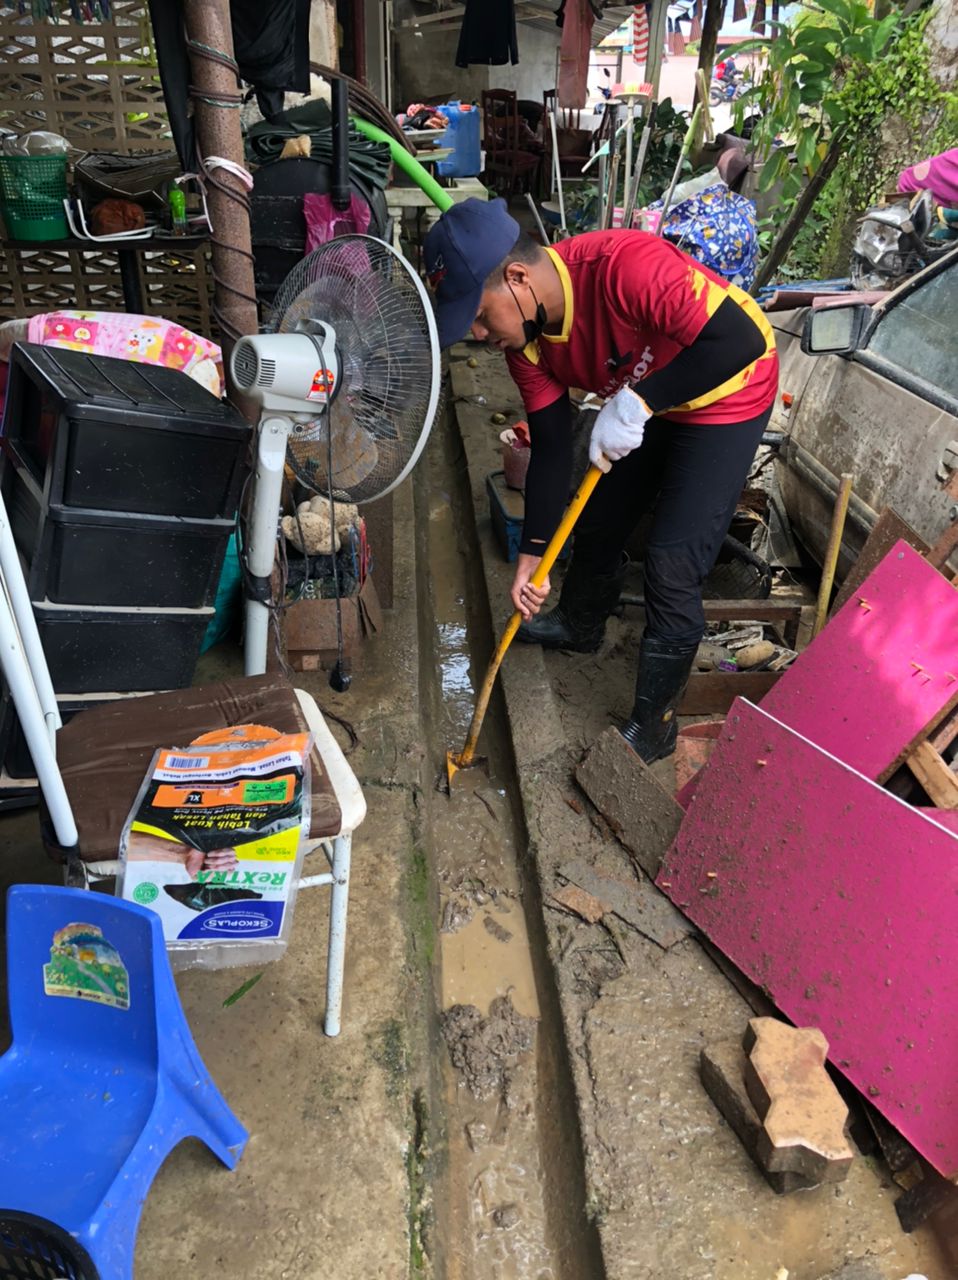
{"points": [[409, 164]]}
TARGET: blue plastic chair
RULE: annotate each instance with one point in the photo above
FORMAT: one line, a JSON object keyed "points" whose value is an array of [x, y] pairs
{"points": [[101, 1082]]}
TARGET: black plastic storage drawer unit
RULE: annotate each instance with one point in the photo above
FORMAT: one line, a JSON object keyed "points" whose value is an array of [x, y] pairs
{"points": [[72, 556], [123, 650], [116, 435]]}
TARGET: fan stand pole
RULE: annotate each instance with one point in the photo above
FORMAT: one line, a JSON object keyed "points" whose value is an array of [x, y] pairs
{"points": [[261, 550]]}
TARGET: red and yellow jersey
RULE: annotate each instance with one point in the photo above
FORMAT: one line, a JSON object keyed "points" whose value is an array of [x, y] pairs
{"points": [[632, 303]]}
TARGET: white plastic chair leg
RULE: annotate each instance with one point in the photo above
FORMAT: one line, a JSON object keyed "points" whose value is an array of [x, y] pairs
{"points": [[339, 904]]}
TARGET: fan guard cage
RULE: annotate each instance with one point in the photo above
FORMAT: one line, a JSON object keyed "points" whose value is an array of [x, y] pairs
{"points": [[389, 371]]}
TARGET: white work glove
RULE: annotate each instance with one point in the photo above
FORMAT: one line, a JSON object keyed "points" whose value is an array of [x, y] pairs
{"points": [[618, 429]]}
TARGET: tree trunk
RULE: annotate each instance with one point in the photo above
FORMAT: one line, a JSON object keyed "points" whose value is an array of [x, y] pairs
{"points": [[711, 26], [216, 103], [800, 212]]}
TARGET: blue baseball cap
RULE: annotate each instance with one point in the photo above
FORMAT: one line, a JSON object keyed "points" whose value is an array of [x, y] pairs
{"points": [[460, 251]]}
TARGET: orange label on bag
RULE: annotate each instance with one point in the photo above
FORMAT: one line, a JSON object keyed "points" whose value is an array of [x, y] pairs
{"points": [[265, 791]]}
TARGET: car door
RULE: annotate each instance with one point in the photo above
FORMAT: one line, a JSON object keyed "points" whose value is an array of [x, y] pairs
{"points": [[888, 414]]}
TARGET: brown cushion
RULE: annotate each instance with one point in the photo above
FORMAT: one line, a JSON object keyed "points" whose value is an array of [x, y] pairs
{"points": [[104, 754]]}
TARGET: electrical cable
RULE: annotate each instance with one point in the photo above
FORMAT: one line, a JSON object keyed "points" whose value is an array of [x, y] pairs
{"points": [[339, 678]]}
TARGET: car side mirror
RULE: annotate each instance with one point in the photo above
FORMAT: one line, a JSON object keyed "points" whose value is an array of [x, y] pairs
{"points": [[835, 331]]}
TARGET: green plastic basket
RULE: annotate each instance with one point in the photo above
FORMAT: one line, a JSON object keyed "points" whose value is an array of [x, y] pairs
{"points": [[32, 191]]}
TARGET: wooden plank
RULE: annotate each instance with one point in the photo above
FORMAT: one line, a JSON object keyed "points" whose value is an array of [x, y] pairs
{"points": [[946, 733], [713, 692], [929, 1196], [837, 898], [943, 548], [934, 775], [883, 673], [770, 610], [888, 529]]}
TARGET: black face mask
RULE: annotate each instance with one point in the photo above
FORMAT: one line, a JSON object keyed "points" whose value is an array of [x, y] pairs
{"points": [[531, 329]]}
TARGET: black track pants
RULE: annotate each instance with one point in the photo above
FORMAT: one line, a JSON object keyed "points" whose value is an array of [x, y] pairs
{"points": [[691, 478]]}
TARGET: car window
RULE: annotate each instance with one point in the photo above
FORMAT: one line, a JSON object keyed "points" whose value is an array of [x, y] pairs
{"points": [[920, 335]]}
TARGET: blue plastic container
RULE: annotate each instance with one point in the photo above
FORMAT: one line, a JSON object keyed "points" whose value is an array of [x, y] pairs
{"points": [[463, 136], [507, 511]]}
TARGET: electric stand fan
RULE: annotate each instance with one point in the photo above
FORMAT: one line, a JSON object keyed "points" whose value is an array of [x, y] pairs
{"points": [[347, 388]]}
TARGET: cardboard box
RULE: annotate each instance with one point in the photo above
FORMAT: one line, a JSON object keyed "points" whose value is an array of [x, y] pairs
{"points": [[310, 628]]}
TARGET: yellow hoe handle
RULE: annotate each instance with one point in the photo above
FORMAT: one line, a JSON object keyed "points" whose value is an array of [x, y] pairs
{"points": [[559, 539]]}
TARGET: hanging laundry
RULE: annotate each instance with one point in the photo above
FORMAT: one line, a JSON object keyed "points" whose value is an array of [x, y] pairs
{"points": [[739, 11], [488, 34], [758, 22], [574, 52]]}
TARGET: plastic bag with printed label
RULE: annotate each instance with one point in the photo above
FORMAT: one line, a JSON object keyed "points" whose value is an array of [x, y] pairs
{"points": [[324, 222], [214, 844]]}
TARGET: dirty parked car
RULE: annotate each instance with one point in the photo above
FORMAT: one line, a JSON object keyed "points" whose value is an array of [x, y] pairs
{"points": [[873, 391]]}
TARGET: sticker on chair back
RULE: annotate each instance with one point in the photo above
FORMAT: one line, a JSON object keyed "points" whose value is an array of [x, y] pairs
{"points": [[86, 966]]}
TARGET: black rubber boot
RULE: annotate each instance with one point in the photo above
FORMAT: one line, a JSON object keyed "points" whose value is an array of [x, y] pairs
{"points": [[664, 670], [578, 620]]}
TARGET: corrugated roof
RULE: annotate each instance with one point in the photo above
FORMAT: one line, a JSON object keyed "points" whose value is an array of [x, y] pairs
{"points": [[541, 14]]}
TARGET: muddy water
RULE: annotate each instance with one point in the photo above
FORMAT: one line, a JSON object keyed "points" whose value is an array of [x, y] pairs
{"points": [[508, 1204]]}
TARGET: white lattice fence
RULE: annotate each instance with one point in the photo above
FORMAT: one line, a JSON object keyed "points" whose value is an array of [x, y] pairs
{"points": [[175, 285], [96, 83]]}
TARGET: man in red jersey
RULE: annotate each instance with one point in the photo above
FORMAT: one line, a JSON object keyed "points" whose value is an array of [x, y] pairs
{"points": [[687, 366]]}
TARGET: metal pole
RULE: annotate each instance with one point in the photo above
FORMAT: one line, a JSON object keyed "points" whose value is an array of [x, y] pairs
{"points": [[557, 169], [653, 64], [628, 152], [216, 103], [535, 213], [16, 589], [831, 552], [28, 679], [603, 176], [613, 187], [683, 154], [261, 551], [636, 177]]}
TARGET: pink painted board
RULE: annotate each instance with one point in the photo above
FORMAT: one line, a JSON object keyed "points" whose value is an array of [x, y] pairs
{"points": [[880, 671], [841, 901]]}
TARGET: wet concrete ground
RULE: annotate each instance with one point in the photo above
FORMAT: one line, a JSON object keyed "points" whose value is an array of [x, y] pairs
{"points": [[671, 1190]]}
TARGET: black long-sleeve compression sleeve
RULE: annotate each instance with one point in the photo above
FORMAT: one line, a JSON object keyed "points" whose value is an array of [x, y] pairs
{"points": [[729, 343], [549, 474]]}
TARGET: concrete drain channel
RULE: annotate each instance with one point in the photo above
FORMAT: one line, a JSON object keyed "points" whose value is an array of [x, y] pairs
{"points": [[505, 1169]]}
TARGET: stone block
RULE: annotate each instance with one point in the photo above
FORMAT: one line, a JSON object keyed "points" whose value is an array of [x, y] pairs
{"points": [[639, 810], [802, 1113], [722, 1068]]}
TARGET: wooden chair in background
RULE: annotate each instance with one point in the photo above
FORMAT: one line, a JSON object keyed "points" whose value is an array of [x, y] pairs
{"points": [[510, 168], [574, 143]]}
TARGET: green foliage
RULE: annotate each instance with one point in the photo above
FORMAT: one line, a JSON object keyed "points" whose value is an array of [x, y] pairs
{"points": [[839, 68], [820, 250], [899, 85], [665, 147], [799, 93]]}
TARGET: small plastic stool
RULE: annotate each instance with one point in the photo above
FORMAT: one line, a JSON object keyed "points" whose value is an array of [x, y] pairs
{"points": [[101, 1082]]}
